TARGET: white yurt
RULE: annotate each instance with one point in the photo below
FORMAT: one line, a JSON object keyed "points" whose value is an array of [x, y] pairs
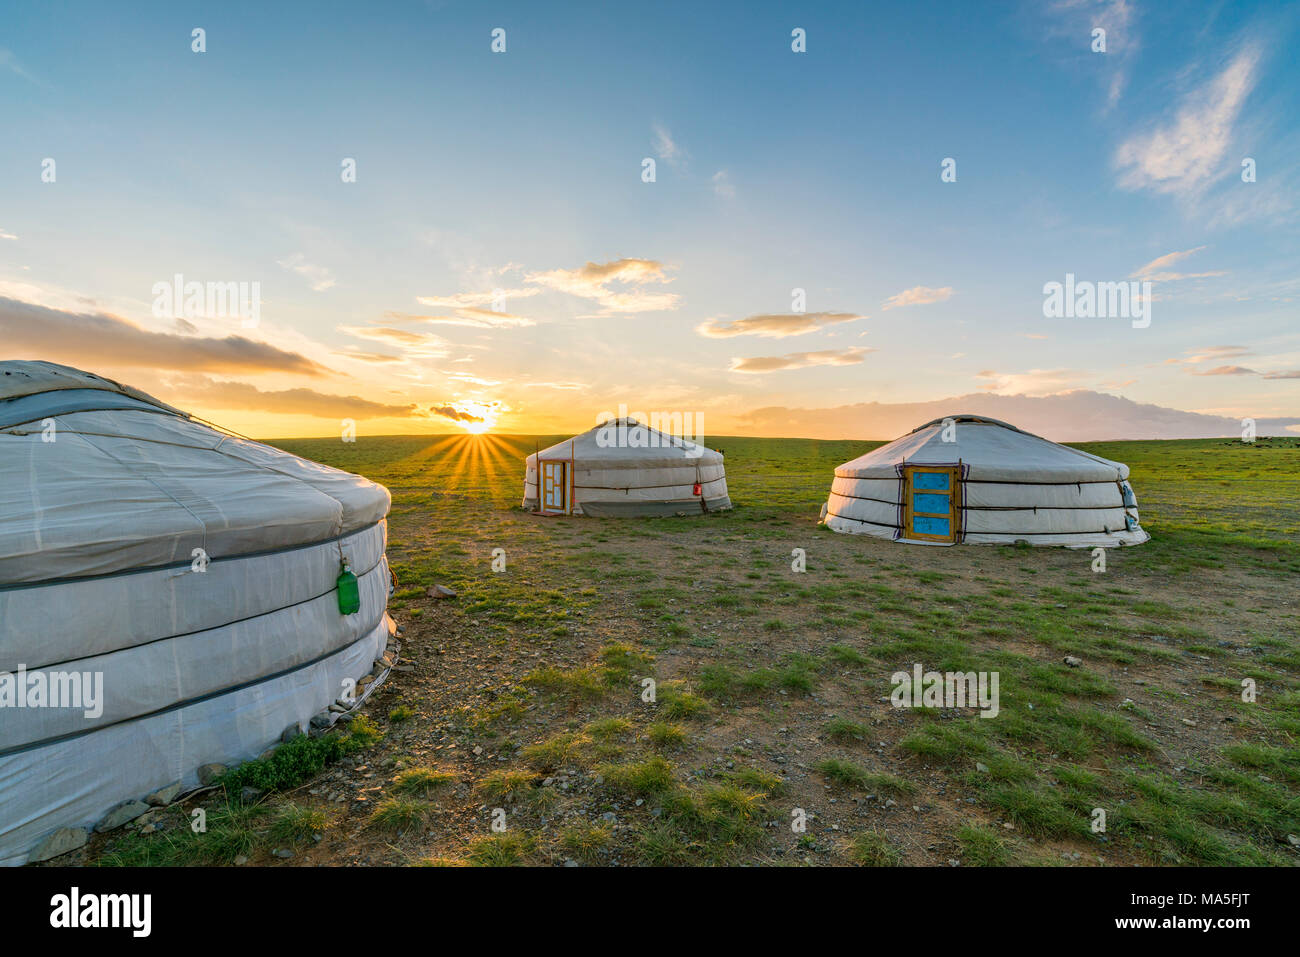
{"points": [[967, 478], [621, 468], [171, 596]]}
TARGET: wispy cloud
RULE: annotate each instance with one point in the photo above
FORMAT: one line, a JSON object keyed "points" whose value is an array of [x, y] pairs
{"points": [[10, 62], [666, 148], [472, 379], [1225, 370], [592, 281], [377, 358], [1033, 381], [7, 235], [800, 360], [1184, 155], [723, 186], [455, 414], [1243, 370], [242, 395], [466, 300], [563, 386], [1212, 354], [412, 344], [96, 339], [774, 325], [317, 276], [1199, 357], [469, 316], [1069, 26], [1157, 270], [918, 296]]}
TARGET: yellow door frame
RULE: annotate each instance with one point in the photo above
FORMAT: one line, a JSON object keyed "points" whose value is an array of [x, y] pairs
{"points": [[552, 483], [953, 515]]}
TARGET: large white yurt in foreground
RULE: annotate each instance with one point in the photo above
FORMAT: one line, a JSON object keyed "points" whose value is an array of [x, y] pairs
{"points": [[967, 478], [624, 467], [195, 578]]}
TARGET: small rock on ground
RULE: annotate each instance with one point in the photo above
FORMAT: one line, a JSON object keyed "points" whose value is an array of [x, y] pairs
{"points": [[164, 796], [62, 841], [210, 772], [124, 812]]}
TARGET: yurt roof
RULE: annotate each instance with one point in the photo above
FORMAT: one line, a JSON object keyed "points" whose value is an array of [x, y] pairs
{"points": [[994, 451], [128, 482], [967, 417], [645, 447], [20, 379]]}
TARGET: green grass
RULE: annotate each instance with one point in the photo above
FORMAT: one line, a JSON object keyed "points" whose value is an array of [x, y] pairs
{"points": [[580, 684], [232, 830], [873, 849], [587, 842], [422, 781], [301, 759], [762, 782], [609, 729], [292, 824], [844, 731], [981, 847], [508, 785], [645, 778], [665, 735], [569, 749], [678, 702], [399, 814], [1281, 762], [500, 850], [848, 774]]}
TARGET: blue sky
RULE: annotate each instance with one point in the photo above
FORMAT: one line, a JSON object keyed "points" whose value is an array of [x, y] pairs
{"points": [[775, 170]]}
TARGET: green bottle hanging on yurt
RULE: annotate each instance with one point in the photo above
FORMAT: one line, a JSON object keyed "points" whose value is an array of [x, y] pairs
{"points": [[349, 592]]}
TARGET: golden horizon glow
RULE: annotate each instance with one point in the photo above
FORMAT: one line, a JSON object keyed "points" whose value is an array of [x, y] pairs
{"points": [[485, 416]]}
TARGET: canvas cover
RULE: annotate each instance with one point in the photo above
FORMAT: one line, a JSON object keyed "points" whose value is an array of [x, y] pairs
{"points": [[626, 468], [993, 450], [195, 572], [1014, 486]]}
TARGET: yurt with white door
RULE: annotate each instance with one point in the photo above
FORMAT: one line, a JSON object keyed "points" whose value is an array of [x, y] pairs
{"points": [[625, 468], [967, 478], [171, 596]]}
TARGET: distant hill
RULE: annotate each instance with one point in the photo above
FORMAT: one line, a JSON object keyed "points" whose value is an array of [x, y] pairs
{"points": [[1078, 416]]}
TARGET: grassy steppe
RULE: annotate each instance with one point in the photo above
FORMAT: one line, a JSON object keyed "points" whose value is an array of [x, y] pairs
{"points": [[525, 692]]}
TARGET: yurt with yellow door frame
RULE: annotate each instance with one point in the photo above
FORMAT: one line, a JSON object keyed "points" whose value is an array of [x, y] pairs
{"points": [[625, 468], [972, 479], [171, 596]]}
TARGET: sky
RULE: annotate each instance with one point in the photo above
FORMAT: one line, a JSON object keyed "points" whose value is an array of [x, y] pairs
{"points": [[841, 241]]}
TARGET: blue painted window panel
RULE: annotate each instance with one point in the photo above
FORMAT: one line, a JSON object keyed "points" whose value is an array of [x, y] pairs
{"points": [[931, 481], [925, 525], [929, 502]]}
